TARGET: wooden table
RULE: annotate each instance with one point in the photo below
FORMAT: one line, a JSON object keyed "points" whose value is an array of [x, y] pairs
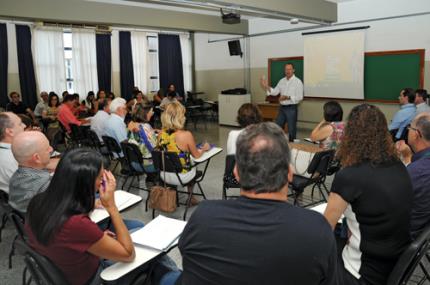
{"points": [[269, 111]]}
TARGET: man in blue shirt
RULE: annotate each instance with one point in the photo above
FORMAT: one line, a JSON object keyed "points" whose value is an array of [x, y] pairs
{"points": [[115, 126], [419, 170], [404, 116]]}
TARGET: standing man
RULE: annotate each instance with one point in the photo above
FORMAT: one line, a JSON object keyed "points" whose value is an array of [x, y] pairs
{"points": [[291, 90]]}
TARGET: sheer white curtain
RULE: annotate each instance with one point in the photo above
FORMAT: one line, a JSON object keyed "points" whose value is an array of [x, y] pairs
{"points": [[84, 61], [49, 62], [139, 51], [186, 61]]}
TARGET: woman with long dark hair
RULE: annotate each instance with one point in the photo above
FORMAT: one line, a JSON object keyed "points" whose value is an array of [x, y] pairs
{"points": [[58, 225], [374, 193]]}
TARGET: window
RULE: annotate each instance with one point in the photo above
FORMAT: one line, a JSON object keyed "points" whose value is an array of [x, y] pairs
{"points": [[68, 53], [154, 77]]}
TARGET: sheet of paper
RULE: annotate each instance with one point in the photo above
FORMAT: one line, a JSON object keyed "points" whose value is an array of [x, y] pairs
{"points": [[160, 233]]}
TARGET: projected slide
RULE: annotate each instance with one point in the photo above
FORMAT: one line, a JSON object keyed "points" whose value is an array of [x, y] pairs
{"points": [[334, 65]]}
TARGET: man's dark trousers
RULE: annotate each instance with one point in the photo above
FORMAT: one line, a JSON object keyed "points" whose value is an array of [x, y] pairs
{"points": [[288, 114]]}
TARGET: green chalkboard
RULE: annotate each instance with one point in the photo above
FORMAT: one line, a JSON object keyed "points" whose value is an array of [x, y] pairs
{"points": [[385, 73]]}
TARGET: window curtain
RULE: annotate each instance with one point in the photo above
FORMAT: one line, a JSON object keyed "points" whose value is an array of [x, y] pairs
{"points": [[170, 62], [104, 61], [186, 61], [139, 50], [126, 65], [84, 62], [27, 78], [48, 50], [3, 66]]}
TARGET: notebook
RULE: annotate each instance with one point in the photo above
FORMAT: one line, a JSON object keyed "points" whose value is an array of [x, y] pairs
{"points": [[160, 233]]}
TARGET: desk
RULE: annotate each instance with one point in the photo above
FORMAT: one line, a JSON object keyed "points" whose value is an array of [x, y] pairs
{"points": [[321, 209], [207, 155], [269, 112], [123, 201]]}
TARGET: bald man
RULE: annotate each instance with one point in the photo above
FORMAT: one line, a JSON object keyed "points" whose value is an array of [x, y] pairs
{"points": [[32, 151], [10, 126]]}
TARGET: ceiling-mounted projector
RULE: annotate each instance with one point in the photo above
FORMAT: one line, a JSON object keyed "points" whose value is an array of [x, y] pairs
{"points": [[230, 18]]}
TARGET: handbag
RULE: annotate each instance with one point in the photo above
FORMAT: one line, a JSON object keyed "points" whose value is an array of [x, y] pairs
{"points": [[163, 198]]}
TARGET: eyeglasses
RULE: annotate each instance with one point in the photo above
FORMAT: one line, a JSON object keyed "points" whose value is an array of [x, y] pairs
{"points": [[414, 129]]}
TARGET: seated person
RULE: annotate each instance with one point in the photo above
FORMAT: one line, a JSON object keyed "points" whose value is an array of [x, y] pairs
{"points": [[258, 238], [374, 193], [330, 130], [32, 151], [169, 98], [158, 97], [143, 135], [172, 89], [18, 107], [418, 164], [247, 114], [89, 103], [404, 116], [65, 113], [28, 122], [58, 225], [50, 116], [101, 95], [139, 100], [100, 118], [173, 138], [10, 126], [421, 97], [115, 126], [42, 105]]}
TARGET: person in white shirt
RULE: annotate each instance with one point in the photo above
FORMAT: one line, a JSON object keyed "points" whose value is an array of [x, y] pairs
{"points": [[42, 105], [421, 101], [291, 90], [10, 126], [100, 118]]}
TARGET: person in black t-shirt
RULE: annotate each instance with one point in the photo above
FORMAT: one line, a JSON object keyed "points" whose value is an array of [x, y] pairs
{"points": [[18, 107], [374, 192], [258, 238]]}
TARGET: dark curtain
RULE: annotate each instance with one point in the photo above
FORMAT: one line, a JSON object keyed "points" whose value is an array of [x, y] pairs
{"points": [[126, 65], [3, 66], [104, 61], [27, 79], [170, 62]]}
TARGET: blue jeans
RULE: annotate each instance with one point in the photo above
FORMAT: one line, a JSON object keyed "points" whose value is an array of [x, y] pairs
{"points": [[288, 114]]}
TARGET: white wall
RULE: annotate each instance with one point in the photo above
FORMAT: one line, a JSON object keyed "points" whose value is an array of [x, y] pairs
{"points": [[395, 34], [215, 56]]}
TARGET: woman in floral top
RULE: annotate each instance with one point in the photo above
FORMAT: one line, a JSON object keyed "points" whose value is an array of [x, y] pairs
{"points": [[329, 132]]}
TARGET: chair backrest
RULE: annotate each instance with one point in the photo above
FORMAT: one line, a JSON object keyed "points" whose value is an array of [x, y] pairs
{"points": [[320, 162], [132, 155], [171, 161], [230, 161], [4, 202], [410, 258], [93, 138], [112, 145], [76, 132], [18, 221], [42, 270]]}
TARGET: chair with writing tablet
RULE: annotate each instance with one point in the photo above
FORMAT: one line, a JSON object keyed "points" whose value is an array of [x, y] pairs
{"points": [[317, 170], [172, 164]]}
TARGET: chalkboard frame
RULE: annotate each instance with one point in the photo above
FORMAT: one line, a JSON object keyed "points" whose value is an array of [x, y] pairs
{"points": [[420, 52]]}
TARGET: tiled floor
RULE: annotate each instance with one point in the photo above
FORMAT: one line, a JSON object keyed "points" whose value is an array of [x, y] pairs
{"points": [[212, 186]]}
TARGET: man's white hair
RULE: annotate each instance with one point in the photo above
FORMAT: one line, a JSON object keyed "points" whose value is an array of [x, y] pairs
{"points": [[116, 103]]}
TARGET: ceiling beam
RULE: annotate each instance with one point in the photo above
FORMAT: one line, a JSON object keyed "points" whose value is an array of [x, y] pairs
{"points": [[78, 11]]}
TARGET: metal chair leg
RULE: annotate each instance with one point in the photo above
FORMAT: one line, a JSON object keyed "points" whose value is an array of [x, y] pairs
{"points": [[201, 190], [12, 251], [190, 195], [3, 224]]}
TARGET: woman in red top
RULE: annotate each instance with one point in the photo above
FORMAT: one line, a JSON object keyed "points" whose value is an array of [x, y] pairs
{"points": [[58, 225]]}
